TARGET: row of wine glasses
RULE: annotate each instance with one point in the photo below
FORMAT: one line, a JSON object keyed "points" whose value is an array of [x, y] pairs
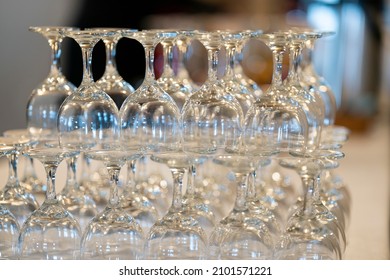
{"points": [[223, 122]]}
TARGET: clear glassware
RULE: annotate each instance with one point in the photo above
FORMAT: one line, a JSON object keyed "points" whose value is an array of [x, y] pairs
{"points": [[135, 202], [212, 117], [176, 86], [242, 234], [149, 117], [72, 197], [50, 232], [88, 117], [183, 44], [311, 102], [239, 72], [310, 78], [113, 234], [275, 122], [194, 204], [112, 82], [28, 178], [14, 196], [176, 235], [312, 231], [231, 41], [45, 100], [9, 226]]}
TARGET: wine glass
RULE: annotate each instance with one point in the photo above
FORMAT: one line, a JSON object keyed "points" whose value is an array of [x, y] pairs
{"points": [[176, 235], [149, 117], [239, 72], [135, 202], [14, 196], [311, 102], [243, 233], [45, 100], [50, 232], [112, 82], [9, 226], [183, 44], [72, 197], [88, 117], [175, 86], [113, 233], [309, 77], [29, 178], [312, 231], [212, 117], [231, 41]]}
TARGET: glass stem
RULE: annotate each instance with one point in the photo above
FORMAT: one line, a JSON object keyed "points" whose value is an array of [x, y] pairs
{"points": [[277, 56], [149, 59], [55, 57], [181, 58], [310, 182], [190, 191], [51, 179], [295, 54], [177, 199], [237, 60], [114, 182], [29, 170], [72, 169], [168, 59], [110, 56], [131, 169], [212, 64], [87, 66], [230, 58], [13, 179], [252, 185], [242, 192]]}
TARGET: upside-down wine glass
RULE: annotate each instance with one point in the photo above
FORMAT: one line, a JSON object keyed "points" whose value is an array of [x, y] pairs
{"points": [[50, 232], [172, 84], [112, 82], [312, 231], [135, 202], [183, 46], [242, 234], [239, 72], [28, 177], [177, 235], [113, 234], [72, 197], [311, 102], [88, 117], [212, 119], [231, 41], [9, 226], [149, 117], [45, 100], [14, 196]]}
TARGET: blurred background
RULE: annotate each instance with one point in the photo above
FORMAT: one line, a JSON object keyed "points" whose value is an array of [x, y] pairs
{"points": [[355, 61]]}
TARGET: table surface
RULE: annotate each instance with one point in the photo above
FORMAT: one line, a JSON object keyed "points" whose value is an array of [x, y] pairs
{"points": [[366, 169]]}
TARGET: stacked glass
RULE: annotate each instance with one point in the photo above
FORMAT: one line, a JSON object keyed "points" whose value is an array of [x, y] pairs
{"points": [[170, 125]]}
